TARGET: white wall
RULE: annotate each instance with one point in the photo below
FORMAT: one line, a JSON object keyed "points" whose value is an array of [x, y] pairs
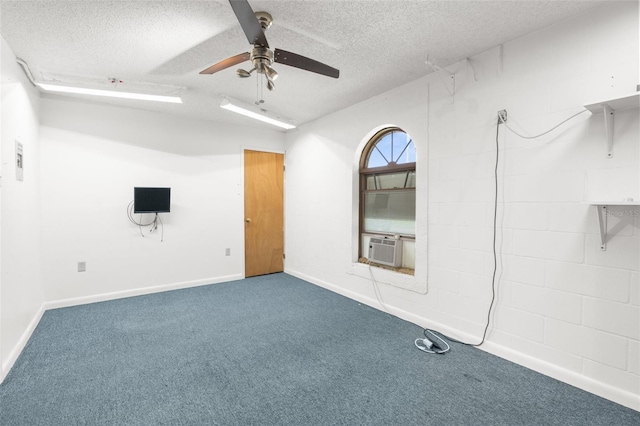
{"points": [[564, 307], [21, 293], [82, 160], [92, 157]]}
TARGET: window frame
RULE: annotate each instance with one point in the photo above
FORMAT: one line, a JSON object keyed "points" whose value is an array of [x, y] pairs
{"points": [[364, 172]]}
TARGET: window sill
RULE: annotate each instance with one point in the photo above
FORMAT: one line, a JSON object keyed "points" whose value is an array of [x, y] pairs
{"points": [[387, 276], [400, 270]]}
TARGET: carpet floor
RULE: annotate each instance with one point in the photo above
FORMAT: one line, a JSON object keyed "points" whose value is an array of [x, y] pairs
{"points": [[270, 350]]}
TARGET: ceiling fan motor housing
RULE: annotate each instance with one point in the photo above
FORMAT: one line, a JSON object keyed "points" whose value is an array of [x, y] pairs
{"points": [[261, 57]]}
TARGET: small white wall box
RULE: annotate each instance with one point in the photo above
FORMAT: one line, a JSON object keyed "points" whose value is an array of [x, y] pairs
{"points": [[385, 251], [19, 162]]}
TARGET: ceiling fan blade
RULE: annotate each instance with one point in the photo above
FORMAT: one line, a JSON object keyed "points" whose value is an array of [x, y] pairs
{"points": [[249, 23], [229, 62], [302, 62]]}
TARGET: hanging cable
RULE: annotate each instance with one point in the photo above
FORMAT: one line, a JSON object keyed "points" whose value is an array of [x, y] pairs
{"points": [[423, 344], [161, 228], [495, 232], [376, 290], [27, 71], [502, 120], [132, 219], [153, 224], [427, 344]]}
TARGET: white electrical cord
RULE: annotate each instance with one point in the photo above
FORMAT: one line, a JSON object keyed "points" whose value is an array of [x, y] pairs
{"points": [[376, 290], [26, 70], [541, 134], [431, 345]]}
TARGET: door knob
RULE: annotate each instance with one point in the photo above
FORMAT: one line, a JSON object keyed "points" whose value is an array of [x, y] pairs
{"points": [[248, 220]]}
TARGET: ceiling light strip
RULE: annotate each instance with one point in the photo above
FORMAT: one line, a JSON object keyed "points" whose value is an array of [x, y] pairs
{"points": [[235, 107], [109, 93]]}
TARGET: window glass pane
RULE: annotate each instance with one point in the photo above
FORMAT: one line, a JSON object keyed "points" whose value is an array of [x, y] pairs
{"points": [[409, 154], [384, 145], [400, 140], [380, 155], [376, 159], [390, 212], [395, 148], [411, 181], [398, 180], [371, 184]]}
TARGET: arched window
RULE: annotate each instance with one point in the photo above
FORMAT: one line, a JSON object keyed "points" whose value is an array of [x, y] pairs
{"points": [[388, 186]]}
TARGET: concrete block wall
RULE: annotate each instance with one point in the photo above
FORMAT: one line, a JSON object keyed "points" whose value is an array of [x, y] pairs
{"points": [[564, 307], [561, 299]]}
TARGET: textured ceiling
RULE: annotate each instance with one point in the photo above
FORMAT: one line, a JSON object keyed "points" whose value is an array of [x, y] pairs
{"points": [[160, 46]]}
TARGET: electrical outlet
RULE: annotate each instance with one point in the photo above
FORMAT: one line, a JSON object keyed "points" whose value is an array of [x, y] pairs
{"points": [[227, 252], [82, 266], [502, 116]]}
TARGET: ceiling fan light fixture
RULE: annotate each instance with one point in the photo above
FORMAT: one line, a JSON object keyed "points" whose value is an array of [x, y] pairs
{"points": [[270, 73], [255, 113], [108, 93], [243, 73], [265, 19]]}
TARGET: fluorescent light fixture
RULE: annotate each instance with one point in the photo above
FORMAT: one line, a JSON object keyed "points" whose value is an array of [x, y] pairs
{"points": [[109, 93], [255, 113]]}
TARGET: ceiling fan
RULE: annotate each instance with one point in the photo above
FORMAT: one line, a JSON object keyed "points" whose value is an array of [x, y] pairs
{"points": [[254, 24]]}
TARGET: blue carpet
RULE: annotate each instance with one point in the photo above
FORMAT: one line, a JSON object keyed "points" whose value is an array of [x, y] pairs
{"points": [[270, 350]]}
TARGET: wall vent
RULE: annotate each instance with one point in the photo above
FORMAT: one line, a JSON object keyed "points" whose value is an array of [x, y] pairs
{"points": [[385, 251]]}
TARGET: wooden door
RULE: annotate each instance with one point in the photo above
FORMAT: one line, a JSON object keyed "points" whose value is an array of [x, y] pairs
{"points": [[263, 213]]}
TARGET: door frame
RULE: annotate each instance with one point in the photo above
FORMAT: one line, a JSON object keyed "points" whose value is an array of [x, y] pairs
{"points": [[244, 148]]}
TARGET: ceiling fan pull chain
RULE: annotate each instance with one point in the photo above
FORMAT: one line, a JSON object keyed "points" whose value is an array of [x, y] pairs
{"points": [[257, 90]]}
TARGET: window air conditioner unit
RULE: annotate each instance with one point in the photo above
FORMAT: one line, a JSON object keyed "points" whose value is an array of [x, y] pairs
{"points": [[385, 251]]}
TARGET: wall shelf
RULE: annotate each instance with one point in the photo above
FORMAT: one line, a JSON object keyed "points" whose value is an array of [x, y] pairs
{"points": [[602, 211], [607, 109]]}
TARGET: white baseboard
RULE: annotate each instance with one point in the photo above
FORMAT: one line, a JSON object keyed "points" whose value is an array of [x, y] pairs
{"points": [[622, 397], [22, 342], [619, 396], [75, 301], [374, 303]]}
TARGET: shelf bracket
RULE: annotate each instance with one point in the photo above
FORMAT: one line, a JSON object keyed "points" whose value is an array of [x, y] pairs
{"points": [[608, 107], [602, 221], [608, 125]]}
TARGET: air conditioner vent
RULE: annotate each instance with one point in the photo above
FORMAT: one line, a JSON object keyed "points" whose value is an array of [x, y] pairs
{"points": [[385, 251]]}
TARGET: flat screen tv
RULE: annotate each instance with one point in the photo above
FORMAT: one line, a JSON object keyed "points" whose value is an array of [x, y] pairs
{"points": [[151, 200]]}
